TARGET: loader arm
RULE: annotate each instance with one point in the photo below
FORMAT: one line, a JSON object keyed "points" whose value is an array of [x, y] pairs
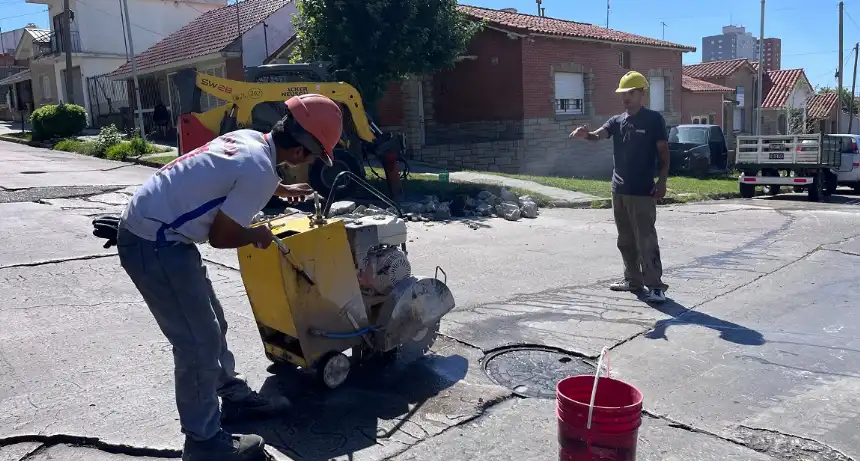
{"points": [[198, 128]]}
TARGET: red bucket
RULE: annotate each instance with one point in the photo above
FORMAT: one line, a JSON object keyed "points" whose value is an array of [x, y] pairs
{"points": [[615, 419]]}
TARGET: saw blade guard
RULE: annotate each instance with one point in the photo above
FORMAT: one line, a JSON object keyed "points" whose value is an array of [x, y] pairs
{"points": [[419, 303]]}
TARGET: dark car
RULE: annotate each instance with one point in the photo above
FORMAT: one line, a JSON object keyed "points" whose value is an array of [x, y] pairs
{"points": [[698, 150]]}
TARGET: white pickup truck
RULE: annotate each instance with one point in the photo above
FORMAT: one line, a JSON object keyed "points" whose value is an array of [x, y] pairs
{"points": [[806, 161]]}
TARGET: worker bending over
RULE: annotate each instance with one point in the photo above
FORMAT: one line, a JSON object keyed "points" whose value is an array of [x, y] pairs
{"points": [[213, 193]]}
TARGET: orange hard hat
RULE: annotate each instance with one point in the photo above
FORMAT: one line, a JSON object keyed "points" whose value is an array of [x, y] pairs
{"points": [[322, 119]]}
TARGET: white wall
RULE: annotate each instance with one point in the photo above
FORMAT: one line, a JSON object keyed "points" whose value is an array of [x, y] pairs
{"points": [[798, 97], [100, 25], [10, 39], [843, 123], [279, 31]]}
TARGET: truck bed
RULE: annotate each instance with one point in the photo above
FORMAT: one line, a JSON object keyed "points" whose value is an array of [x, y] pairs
{"points": [[786, 151]]}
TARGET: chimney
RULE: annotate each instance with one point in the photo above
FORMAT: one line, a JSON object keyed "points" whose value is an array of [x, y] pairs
{"points": [[509, 10]]}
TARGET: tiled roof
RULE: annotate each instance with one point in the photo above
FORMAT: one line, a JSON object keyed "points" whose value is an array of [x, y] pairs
{"points": [[40, 35], [210, 33], [700, 86], [715, 69], [526, 23], [819, 106], [778, 86]]}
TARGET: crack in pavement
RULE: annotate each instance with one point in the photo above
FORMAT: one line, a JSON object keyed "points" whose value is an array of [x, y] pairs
{"points": [[48, 441], [56, 261]]}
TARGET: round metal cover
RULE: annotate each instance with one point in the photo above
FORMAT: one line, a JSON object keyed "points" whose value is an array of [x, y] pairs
{"points": [[534, 371]]}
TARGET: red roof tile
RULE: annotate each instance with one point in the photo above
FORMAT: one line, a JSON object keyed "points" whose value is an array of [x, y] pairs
{"points": [[526, 23], [700, 86], [778, 86], [715, 69], [820, 106], [210, 33]]}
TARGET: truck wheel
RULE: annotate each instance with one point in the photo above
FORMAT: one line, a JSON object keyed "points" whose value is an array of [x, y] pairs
{"points": [[816, 189], [856, 188], [831, 181], [321, 177], [747, 190]]}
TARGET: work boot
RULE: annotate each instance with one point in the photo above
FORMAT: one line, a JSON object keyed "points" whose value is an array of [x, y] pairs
{"points": [[224, 447], [626, 285], [255, 406]]}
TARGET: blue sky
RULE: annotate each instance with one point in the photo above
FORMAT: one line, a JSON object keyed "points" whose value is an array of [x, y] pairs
{"points": [[810, 42]]}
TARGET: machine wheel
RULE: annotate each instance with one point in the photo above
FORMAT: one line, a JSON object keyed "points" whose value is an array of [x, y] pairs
{"points": [[798, 189], [816, 189], [747, 190], [321, 177], [333, 369]]}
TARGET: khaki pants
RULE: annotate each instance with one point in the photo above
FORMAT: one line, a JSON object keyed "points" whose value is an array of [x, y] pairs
{"points": [[635, 216]]}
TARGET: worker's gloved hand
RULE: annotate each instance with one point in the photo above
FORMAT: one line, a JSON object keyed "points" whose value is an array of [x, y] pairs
{"points": [[261, 237], [106, 227]]}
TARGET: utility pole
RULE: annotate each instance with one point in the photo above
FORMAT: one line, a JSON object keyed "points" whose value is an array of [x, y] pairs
{"points": [[839, 76], [607, 14], [67, 42], [664, 29], [266, 38], [133, 70], [759, 96], [239, 34], [853, 87], [540, 10]]}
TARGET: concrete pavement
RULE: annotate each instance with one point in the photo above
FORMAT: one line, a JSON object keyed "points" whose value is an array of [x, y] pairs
{"points": [[755, 358]]}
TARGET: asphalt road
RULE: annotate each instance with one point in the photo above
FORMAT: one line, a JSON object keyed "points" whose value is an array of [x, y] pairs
{"points": [[754, 358]]}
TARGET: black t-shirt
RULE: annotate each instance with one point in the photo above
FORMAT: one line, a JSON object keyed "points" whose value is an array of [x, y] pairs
{"points": [[634, 139]]}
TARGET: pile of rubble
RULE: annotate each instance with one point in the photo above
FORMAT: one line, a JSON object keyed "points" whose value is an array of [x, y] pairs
{"points": [[486, 204]]}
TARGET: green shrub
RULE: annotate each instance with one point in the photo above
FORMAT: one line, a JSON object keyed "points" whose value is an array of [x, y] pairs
{"points": [[109, 136], [58, 121], [140, 147], [120, 151]]}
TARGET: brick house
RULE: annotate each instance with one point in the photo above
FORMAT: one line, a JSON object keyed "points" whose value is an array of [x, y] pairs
{"points": [[703, 102], [524, 83], [783, 91], [213, 44], [740, 76]]}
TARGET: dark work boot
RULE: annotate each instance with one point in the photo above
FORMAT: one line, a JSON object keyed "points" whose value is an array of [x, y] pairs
{"points": [[224, 447], [255, 406]]}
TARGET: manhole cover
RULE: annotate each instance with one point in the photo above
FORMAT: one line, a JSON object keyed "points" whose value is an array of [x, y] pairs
{"points": [[533, 371]]}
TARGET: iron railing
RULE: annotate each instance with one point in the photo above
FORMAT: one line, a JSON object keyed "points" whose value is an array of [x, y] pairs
{"points": [[56, 44]]}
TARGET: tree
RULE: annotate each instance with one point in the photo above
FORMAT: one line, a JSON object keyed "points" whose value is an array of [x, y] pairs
{"points": [[845, 97], [380, 41]]}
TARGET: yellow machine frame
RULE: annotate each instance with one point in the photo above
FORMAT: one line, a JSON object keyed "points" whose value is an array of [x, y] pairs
{"points": [[287, 307]]}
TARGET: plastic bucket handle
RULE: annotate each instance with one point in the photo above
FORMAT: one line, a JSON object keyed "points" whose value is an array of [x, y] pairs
{"points": [[604, 354]]}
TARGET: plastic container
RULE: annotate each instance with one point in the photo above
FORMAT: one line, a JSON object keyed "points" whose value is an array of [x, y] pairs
{"points": [[614, 420]]}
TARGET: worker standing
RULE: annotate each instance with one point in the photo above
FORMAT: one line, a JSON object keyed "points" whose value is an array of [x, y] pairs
{"points": [[212, 194], [639, 140]]}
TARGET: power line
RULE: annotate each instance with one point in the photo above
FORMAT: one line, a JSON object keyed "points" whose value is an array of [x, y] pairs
{"points": [[25, 14], [708, 16]]}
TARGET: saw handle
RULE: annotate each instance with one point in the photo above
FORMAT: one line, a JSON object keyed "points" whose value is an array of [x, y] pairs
{"points": [[285, 252]]}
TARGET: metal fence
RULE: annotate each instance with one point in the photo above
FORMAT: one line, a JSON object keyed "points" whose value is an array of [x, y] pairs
{"points": [[113, 102]]}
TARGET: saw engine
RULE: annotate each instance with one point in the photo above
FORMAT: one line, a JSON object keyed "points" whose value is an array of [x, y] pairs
{"points": [[409, 307]]}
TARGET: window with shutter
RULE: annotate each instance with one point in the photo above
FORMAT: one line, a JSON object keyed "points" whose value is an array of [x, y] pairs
{"points": [[569, 93], [657, 93], [207, 101]]}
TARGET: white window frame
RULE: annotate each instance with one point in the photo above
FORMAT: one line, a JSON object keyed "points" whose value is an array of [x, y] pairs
{"points": [[45, 85], [207, 101], [661, 97], [569, 93], [624, 59]]}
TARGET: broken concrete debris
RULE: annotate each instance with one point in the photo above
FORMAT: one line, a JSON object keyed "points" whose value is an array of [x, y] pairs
{"points": [[486, 204]]}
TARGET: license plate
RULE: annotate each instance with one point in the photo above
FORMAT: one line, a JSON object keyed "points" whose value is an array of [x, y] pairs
{"points": [[776, 156], [776, 146]]}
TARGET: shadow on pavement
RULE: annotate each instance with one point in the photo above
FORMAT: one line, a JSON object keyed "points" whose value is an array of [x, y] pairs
{"points": [[372, 406], [681, 315]]}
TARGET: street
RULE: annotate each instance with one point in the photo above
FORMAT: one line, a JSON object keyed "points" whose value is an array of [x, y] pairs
{"points": [[753, 358]]}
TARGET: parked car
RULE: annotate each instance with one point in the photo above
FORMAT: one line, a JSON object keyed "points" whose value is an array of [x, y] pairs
{"points": [[698, 150], [848, 173]]}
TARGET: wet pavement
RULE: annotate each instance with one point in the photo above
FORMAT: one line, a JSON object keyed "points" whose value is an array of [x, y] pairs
{"points": [[754, 358]]}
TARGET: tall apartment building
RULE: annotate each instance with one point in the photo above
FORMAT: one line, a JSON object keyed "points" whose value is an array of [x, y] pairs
{"points": [[736, 43]]}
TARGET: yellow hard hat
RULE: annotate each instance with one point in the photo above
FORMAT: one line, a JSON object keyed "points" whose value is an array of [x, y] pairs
{"points": [[630, 81]]}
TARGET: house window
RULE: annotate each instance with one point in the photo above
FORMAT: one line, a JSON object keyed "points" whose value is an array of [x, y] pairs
{"points": [[207, 101], [699, 119], [569, 93], [657, 93], [624, 59], [45, 85]]}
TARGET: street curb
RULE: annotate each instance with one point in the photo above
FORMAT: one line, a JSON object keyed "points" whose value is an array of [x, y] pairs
{"points": [[15, 140]]}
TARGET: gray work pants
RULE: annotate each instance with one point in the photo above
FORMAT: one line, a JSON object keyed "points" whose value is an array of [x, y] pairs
{"points": [[635, 218], [174, 283]]}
